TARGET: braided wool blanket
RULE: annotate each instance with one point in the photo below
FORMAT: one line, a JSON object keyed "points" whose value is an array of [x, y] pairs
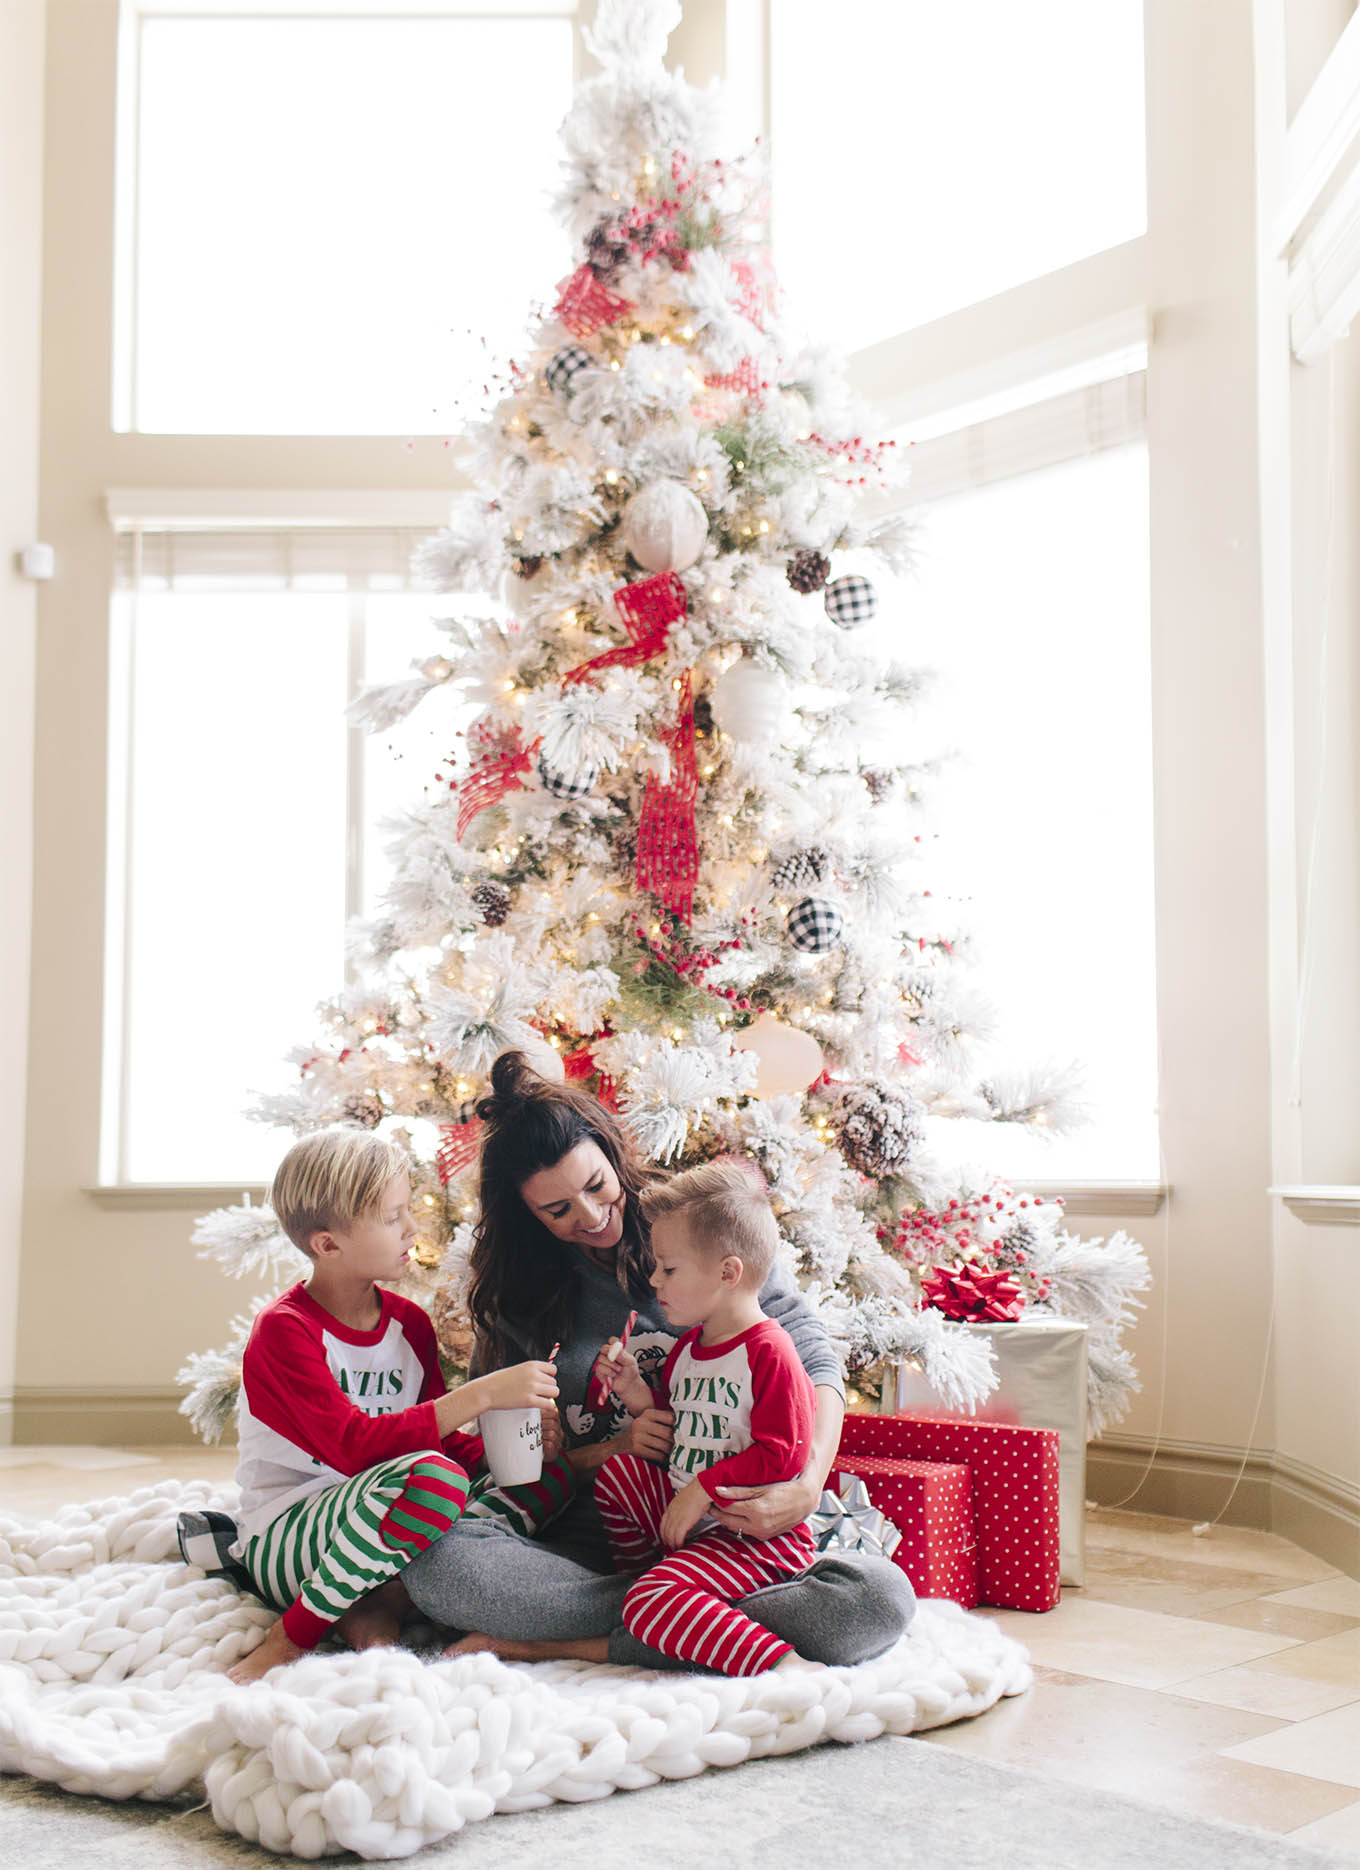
{"points": [[111, 1660]]}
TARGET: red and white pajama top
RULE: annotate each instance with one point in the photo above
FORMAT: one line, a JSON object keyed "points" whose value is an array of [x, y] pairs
{"points": [[321, 1402], [743, 1409]]}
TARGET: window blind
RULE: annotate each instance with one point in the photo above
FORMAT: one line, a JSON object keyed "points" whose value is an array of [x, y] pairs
{"points": [[273, 558], [1080, 422]]}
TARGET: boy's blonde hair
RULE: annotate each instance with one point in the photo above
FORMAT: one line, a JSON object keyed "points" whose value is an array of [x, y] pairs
{"points": [[726, 1210], [331, 1179]]}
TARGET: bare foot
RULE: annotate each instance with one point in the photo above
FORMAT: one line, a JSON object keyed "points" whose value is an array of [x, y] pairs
{"points": [[547, 1649], [273, 1653], [375, 1621], [795, 1663]]}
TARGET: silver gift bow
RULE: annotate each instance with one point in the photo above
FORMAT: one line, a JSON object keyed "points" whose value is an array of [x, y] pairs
{"points": [[846, 1521]]}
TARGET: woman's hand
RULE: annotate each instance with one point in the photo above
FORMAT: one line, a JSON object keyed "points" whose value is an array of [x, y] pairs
{"points": [[648, 1435], [552, 1434], [765, 1512]]}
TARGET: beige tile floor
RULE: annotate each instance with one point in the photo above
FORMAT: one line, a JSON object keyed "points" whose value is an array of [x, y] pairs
{"points": [[1218, 1675]]}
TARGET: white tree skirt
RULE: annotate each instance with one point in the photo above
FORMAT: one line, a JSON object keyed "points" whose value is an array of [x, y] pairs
{"points": [[111, 1682]]}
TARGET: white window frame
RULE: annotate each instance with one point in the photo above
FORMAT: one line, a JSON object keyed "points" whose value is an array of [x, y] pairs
{"points": [[141, 515]]}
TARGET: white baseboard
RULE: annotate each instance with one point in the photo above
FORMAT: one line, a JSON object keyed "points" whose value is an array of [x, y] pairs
{"points": [[114, 1417], [1194, 1480]]}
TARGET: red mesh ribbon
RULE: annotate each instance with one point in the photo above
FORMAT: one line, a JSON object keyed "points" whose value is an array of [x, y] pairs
{"points": [[648, 609], [966, 1291], [458, 1145], [746, 378], [584, 305], [668, 851], [499, 761]]}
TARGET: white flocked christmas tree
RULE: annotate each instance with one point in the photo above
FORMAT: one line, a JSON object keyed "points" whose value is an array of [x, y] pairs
{"points": [[682, 852]]}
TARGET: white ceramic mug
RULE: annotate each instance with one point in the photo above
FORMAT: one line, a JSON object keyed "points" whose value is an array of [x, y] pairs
{"points": [[514, 1445]]}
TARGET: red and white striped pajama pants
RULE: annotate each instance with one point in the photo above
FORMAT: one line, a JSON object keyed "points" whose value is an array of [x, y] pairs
{"points": [[683, 1605]]}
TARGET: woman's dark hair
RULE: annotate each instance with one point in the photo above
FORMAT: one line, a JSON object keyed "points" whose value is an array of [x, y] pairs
{"points": [[523, 1278]]}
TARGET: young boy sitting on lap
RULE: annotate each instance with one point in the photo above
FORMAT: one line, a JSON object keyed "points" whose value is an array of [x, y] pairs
{"points": [[743, 1407], [351, 1461]]}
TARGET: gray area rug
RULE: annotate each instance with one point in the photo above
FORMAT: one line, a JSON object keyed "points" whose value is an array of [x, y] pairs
{"points": [[898, 1803]]}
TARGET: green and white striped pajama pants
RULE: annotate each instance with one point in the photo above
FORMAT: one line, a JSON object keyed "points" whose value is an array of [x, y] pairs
{"points": [[325, 1552]]}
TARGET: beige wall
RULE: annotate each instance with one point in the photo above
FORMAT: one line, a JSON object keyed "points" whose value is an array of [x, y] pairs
{"points": [[21, 112]]}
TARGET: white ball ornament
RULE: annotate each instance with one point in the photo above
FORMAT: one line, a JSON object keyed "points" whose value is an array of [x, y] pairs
{"points": [[749, 703], [786, 1059], [664, 526]]}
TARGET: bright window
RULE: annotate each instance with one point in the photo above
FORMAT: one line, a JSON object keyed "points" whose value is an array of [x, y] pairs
{"points": [[332, 225], [927, 155], [247, 825], [1031, 603]]}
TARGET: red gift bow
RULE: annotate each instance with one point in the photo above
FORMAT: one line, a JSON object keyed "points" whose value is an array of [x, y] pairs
{"points": [[667, 847], [458, 1144], [968, 1291], [583, 304], [499, 762], [648, 610]]}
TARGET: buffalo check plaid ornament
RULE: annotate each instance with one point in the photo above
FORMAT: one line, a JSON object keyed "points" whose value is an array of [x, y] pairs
{"points": [[815, 925], [850, 601], [563, 787], [565, 367]]}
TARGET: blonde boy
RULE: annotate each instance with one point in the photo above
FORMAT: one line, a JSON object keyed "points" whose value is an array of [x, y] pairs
{"points": [[351, 1457], [743, 1407]]}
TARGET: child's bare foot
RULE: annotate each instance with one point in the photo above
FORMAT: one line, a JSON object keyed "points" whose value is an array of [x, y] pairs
{"points": [[793, 1662], [545, 1649], [273, 1653], [375, 1621]]}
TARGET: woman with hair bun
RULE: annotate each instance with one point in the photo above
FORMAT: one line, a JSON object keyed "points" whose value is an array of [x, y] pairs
{"points": [[562, 1255]]}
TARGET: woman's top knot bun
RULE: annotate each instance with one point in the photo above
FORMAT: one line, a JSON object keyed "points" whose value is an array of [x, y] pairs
{"points": [[513, 1081]]}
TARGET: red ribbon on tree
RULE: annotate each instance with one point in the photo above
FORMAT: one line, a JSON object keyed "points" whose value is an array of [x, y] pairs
{"points": [[458, 1144], [499, 762], [581, 1064], [968, 1292], [667, 849], [583, 304], [648, 610]]}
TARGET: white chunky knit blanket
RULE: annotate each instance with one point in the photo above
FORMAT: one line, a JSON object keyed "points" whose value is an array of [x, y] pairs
{"points": [[111, 1660]]}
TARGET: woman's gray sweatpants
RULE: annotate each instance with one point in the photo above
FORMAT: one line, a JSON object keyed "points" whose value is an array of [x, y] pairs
{"points": [[482, 1576]]}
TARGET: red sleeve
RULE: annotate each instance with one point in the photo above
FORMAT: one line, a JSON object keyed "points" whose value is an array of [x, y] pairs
{"points": [[289, 1387], [466, 1450], [661, 1392], [782, 1408]]}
